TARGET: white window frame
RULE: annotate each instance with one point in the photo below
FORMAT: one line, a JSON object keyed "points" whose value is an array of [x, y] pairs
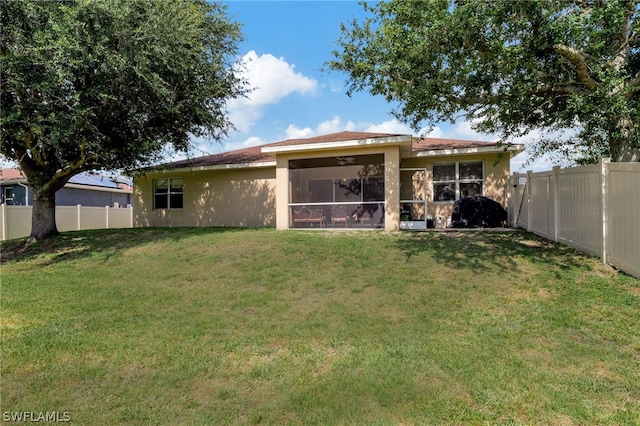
{"points": [[457, 181], [8, 190]]}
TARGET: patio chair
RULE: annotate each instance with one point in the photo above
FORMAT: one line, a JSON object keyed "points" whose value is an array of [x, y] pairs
{"points": [[316, 216], [339, 215], [300, 216]]}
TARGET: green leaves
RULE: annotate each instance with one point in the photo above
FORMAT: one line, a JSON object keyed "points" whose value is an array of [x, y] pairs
{"points": [[116, 73], [511, 66]]}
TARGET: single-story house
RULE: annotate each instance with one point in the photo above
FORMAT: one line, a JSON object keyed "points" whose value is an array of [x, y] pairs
{"points": [[85, 188], [340, 180]]}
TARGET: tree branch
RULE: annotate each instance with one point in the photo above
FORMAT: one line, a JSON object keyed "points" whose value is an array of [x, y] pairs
{"points": [[578, 61], [633, 86]]}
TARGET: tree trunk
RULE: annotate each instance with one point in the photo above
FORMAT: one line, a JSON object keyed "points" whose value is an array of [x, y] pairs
{"points": [[621, 143], [626, 153], [43, 220]]}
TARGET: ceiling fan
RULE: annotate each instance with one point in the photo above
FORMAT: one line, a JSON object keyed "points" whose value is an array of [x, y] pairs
{"points": [[343, 161]]}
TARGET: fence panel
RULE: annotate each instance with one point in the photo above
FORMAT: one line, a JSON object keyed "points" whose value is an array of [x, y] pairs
{"points": [[540, 204], [592, 208], [93, 218], [517, 187], [580, 208], [623, 217], [67, 218], [120, 218], [15, 221]]}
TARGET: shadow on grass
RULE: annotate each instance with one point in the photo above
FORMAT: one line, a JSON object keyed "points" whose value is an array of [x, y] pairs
{"points": [[103, 242], [483, 250]]}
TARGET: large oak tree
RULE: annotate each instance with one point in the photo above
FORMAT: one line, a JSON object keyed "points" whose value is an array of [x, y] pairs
{"points": [[108, 85], [509, 66]]}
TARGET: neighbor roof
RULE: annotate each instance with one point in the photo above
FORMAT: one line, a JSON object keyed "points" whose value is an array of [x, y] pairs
{"points": [[13, 175], [255, 155]]}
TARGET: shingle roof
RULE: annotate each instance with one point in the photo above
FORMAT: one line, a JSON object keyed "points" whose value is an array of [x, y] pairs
{"points": [[254, 154], [11, 174]]}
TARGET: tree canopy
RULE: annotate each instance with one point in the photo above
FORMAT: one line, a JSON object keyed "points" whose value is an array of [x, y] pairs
{"points": [[509, 66], [109, 84]]}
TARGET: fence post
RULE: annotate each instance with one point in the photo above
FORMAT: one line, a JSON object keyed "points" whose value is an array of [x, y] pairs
{"points": [[556, 200], [107, 214], [513, 186], [529, 206], [604, 168], [4, 221], [79, 227]]}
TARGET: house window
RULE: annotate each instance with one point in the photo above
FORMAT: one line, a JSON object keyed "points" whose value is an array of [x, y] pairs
{"points": [[167, 193], [8, 195], [451, 181]]}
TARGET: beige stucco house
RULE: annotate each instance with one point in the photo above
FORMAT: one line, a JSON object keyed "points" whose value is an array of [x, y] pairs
{"points": [[341, 180]]}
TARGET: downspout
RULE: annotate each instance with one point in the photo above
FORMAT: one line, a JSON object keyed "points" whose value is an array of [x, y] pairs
{"points": [[26, 193]]}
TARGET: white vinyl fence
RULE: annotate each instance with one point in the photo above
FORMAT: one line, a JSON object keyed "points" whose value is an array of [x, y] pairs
{"points": [[595, 209], [16, 220]]}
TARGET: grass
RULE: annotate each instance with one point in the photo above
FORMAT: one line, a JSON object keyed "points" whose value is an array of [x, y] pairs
{"points": [[213, 326]]}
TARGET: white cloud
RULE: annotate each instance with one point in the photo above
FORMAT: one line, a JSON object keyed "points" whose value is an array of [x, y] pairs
{"points": [[293, 132], [335, 125], [271, 80], [336, 86], [391, 126], [436, 132], [249, 142]]}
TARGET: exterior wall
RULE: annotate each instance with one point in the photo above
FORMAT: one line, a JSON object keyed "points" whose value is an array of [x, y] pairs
{"points": [[223, 197], [495, 186], [19, 195], [260, 196], [282, 192], [87, 197]]}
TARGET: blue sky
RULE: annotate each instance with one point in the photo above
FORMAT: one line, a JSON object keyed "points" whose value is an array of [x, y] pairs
{"points": [[285, 47]]}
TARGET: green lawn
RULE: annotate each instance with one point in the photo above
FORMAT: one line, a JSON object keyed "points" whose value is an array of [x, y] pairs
{"points": [[212, 326]]}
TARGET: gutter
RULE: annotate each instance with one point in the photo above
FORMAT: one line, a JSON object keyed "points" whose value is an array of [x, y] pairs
{"points": [[26, 192], [254, 165], [517, 148], [96, 188], [355, 143]]}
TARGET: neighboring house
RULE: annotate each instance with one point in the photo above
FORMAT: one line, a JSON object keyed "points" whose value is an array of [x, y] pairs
{"points": [[85, 189], [346, 180]]}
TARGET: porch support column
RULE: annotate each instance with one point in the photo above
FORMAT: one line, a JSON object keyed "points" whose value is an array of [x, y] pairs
{"points": [[282, 193], [392, 188]]}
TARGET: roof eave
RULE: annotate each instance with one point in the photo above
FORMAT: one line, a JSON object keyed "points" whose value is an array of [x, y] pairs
{"points": [[250, 165], [96, 188], [515, 148], [13, 181], [323, 146]]}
